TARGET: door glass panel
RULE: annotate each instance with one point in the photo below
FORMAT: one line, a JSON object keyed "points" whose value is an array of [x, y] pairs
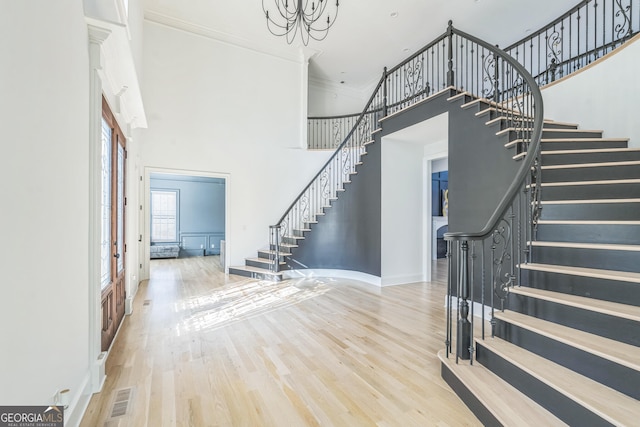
{"points": [[105, 241], [120, 212]]}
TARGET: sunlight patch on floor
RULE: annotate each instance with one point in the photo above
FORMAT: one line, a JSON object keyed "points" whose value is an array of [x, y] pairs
{"points": [[244, 300]]}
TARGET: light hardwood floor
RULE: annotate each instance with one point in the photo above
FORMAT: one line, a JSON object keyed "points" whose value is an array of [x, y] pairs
{"points": [[204, 350]]}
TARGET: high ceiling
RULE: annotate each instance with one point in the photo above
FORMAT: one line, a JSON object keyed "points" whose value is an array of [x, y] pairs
{"points": [[366, 37]]}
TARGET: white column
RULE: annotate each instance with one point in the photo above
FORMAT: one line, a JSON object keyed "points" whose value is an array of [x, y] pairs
{"points": [[97, 359]]}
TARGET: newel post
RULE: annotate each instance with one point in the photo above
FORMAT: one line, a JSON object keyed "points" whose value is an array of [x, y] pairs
{"points": [[274, 238], [464, 325], [450, 75]]}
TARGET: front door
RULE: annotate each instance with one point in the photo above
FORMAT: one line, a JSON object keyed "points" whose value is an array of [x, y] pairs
{"points": [[113, 246]]}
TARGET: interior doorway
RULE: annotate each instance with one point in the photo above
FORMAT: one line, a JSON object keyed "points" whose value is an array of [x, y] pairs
{"points": [[184, 215]]}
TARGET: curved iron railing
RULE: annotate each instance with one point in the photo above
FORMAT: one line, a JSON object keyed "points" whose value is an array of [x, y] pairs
{"points": [[328, 182], [327, 133], [588, 31], [514, 99]]}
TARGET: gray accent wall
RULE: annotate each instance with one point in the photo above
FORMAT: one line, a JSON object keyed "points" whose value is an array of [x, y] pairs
{"points": [[201, 211], [347, 237], [480, 169]]}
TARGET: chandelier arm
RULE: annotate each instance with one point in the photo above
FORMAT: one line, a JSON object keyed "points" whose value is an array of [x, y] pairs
{"points": [[305, 15], [283, 11]]}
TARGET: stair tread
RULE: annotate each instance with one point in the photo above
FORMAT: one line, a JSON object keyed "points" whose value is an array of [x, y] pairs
{"points": [[616, 351], [272, 252], [600, 306], [589, 151], [288, 245], [263, 260], [545, 122], [591, 165], [609, 404], [597, 273], [459, 95], [598, 182], [577, 245], [255, 270], [575, 139], [585, 139], [478, 101], [505, 402], [588, 201], [586, 222], [512, 129]]}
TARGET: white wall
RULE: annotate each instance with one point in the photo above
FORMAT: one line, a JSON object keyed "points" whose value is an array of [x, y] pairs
{"points": [[601, 97], [333, 100], [44, 104], [406, 199], [216, 108], [402, 212]]}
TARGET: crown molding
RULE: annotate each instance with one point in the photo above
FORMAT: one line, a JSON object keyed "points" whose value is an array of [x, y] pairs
{"points": [[117, 68]]}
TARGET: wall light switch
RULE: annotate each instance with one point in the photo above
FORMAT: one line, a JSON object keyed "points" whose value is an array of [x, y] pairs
{"points": [[213, 245]]}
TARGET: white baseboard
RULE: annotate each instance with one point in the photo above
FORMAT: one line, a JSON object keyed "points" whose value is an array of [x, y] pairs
{"points": [[341, 274], [402, 280], [78, 406]]}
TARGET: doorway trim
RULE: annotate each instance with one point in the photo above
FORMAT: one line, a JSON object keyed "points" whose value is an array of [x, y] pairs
{"points": [[145, 225]]}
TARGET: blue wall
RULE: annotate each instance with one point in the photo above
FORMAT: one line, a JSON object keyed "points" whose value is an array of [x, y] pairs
{"points": [[201, 208]]}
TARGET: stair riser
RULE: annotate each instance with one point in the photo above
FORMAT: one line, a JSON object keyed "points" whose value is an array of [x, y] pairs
{"points": [[587, 192], [589, 233], [582, 145], [583, 158], [469, 399], [592, 211], [283, 248], [616, 328], [290, 240], [477, 107], [260, 264], [551, 125], [603, 289], [611, 374], [553, 401], [548, 133], [299, 233], [591, 173], [267, 256], [259, 276], [588, 258]]}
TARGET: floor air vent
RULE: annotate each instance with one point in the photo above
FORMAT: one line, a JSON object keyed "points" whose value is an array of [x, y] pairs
{"points": [[122, 402]]}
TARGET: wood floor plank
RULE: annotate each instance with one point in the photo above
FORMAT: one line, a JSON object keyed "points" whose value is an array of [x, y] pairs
{"points": [[205, 349]]}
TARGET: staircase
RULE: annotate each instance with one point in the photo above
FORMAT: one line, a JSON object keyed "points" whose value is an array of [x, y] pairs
{"points": [[566, 349], [263, 266]]}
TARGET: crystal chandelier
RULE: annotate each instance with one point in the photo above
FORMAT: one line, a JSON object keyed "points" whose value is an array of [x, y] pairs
{"points": [[306, 15]]}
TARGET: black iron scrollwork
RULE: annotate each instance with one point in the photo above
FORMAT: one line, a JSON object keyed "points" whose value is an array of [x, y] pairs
{"points": [[554, 43], [536, 196], [413, 77], [489, 76], [623, 29], [337, 133], [304, 208], [501, 244]]}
